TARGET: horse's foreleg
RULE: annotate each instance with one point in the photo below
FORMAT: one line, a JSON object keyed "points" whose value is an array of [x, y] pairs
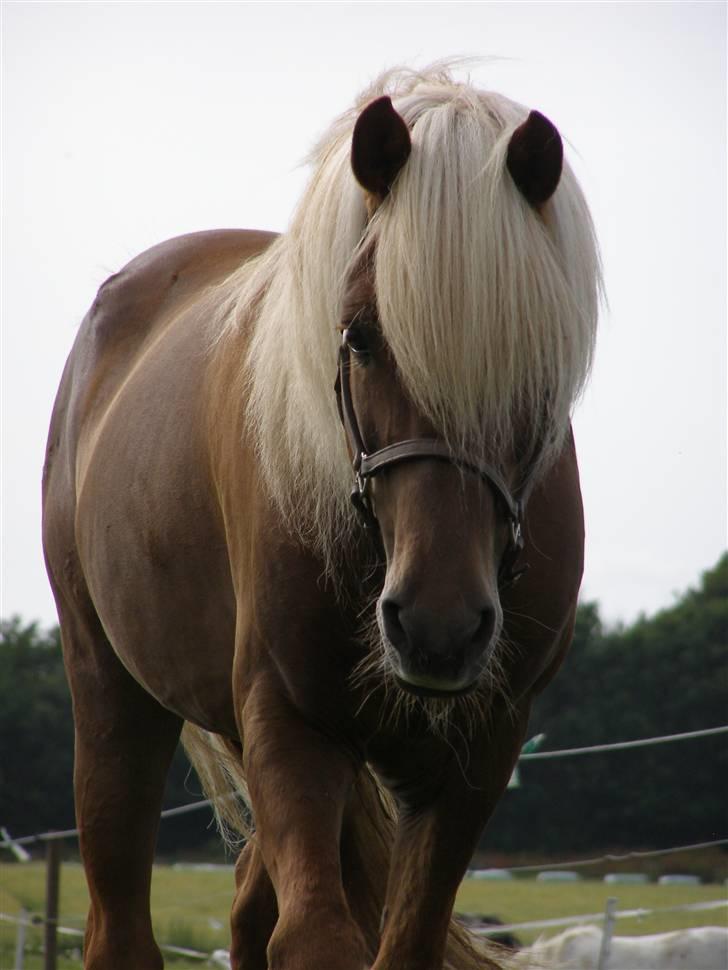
{"points": [[254, 913], [299, 782], [441, 821], [124, 744]]}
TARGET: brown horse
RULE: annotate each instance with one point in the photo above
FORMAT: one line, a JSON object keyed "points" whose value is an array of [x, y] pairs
{"points": [[364, 679]]}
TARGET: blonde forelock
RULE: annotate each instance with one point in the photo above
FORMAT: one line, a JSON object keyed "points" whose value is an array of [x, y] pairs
{"points": [[489, 307]]}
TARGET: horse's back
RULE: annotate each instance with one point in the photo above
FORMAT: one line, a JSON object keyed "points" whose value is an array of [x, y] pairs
{"points": [[131, 524]]}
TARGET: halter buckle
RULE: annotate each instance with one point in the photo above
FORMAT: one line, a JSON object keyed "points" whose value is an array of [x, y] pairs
{"points": [[362, 504], [517, 531]]}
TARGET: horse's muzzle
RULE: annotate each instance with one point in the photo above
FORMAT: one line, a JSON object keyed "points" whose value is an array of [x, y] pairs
{"points": [[436, 652]]}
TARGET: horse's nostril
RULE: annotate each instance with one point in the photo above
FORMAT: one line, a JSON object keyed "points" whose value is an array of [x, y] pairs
{"points": [[435, 633], [486, 625], [392, 623]]}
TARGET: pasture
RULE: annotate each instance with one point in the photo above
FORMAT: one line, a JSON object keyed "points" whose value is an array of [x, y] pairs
{"points": [[190, 907]]}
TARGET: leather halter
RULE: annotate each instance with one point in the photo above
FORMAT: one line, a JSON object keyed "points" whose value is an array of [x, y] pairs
{"points": [[367, 465]]}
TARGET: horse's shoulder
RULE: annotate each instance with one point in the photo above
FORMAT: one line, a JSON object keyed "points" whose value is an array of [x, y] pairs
{"points": [[152, 284]]}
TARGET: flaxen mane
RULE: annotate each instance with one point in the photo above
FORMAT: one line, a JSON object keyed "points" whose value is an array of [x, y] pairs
{"points": [[489, 307]]}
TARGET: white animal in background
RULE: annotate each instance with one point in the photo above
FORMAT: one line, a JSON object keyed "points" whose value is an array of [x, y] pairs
{"points": [[220, 958], [702, 948]]}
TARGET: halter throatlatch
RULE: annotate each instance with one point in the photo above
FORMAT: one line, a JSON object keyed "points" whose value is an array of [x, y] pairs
{"points": [[367, 465]]}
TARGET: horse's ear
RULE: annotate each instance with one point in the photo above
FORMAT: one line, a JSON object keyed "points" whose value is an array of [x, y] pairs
{"points": [[535, 158], [380, 146]]}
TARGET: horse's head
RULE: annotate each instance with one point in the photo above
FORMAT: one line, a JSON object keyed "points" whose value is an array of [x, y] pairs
{"points": [[449, 523], [444, 528]]}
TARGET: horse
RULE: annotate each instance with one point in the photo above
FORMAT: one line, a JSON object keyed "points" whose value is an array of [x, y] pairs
{"points": [[359, 672], [579, 948]]}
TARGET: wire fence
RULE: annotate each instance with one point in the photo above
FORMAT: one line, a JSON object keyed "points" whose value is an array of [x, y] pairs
{"points": [[618, 857], [564, 921], [220, 957], [49, 922], [624, 745], [8, 842]]}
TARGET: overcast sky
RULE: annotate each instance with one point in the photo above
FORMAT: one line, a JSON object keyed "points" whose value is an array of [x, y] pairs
{"points": [[125, 124]]}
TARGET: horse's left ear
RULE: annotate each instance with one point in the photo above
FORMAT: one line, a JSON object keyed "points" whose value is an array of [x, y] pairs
{"points": [[380, 146], [535, 158]]}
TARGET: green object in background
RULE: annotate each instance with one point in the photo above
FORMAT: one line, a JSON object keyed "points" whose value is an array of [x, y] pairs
{"points": [[528, 748], [534, 744]]}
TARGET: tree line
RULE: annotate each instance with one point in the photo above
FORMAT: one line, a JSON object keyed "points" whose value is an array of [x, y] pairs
{"points": [[663, 674]]}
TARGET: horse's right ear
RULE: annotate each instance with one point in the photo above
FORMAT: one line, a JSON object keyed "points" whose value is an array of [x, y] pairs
{"points": [[535, 158], [380, 146]]}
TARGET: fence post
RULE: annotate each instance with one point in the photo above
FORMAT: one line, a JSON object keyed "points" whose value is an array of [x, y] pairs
{"points": [[20, 939], [53, 878], [607, 932]]}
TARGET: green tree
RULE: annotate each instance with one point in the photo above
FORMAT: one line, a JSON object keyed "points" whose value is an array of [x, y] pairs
{"points": [[36, 731], [664, 674], [36, 745]]}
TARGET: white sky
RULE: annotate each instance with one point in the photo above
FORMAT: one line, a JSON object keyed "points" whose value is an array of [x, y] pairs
{"points": [[124, 124]]}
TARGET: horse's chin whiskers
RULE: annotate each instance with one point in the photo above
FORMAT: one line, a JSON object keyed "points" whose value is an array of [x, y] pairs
{"points": [[464, 715]]}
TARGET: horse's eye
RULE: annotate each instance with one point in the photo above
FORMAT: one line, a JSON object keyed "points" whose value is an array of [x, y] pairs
{"points": [[355, 338]]}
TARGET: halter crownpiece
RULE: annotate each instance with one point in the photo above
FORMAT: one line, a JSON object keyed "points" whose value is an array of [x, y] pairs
{"points": [[367, 465]]}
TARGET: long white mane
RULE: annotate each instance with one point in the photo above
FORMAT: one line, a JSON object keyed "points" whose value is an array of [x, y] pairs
{"points": [[489, 307]]}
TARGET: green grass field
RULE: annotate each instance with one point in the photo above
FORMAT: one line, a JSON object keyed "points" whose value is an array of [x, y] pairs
{"points": [[191, 908]]}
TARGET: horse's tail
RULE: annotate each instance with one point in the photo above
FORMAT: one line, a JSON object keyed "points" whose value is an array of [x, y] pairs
{"points": [[219, 766], [366, 843]]}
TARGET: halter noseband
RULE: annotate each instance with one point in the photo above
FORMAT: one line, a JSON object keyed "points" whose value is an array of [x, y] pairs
{"points": [[367, 465]]}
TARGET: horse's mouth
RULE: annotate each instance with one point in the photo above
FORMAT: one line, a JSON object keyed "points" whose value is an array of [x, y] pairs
{"points": [[429, 687]]}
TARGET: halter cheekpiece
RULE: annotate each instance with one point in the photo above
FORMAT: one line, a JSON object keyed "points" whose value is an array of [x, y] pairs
{"points": [[367, 465]]}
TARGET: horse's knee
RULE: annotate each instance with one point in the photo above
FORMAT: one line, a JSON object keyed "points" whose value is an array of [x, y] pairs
{"points": [[324, 936]]}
